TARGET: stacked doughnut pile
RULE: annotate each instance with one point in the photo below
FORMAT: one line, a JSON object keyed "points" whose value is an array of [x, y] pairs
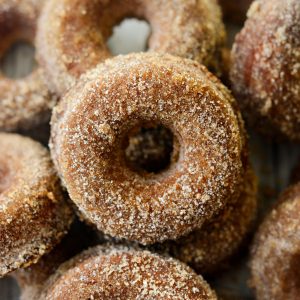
{"points": [[149, 150]]}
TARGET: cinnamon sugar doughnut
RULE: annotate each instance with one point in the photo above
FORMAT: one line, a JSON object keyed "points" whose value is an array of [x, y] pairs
{"points": [[26, 102], [124, 273], [72, 34], [207, 249], [33, 214], [276, 251], [266, 67], [93, 121]]}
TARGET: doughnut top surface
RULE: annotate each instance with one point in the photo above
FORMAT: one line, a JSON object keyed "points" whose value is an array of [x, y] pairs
{"points": [[92, 120], [120, 273], [72, 34]]}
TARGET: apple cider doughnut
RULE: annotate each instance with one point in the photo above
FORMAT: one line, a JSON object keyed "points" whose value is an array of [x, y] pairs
{"points": [[90, 128], [24, 102], [276, 250], [73, 33], [125, 273], [265, 71], [33, 213]]}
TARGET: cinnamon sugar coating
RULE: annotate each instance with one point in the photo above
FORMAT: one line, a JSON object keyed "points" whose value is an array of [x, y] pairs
{"points": [[125, 273], [276, 250], [207, 249], [26, 102], [33, 214], [72, 34], [91, 122], [266, 67], [33, 278]]}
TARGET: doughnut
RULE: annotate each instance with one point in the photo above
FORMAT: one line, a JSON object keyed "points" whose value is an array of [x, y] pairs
{"points": [[33, 278], [207, 249], [26, 102], [90, 128], [72, 34], [33, 214], [235, 11], [276, 250], [265, 71], [125, 273]]}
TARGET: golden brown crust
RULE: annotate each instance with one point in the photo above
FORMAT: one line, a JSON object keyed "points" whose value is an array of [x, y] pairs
{"points": [[72, 34], [92, 120], [33, 214], [27, 102], [205, 250], [125, 273], [266, 67], [276, 251]]}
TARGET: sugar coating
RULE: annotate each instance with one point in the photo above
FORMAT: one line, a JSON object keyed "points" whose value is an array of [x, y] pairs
{"points": [[72, 34], [210, 247], [276, 250], [33, 278], [92, 120], [33, 214], [125, 273], [265, 73], [27, 102]]}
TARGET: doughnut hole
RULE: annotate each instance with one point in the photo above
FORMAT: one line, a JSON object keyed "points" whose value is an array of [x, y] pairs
{"points": [[291, 282], [18, 60], [151, 149], [123, 41], [17, 52]]}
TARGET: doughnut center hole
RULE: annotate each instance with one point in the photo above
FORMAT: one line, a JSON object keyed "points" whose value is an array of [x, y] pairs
{"points": [[18, 61], [150, 149], [130, 35]]}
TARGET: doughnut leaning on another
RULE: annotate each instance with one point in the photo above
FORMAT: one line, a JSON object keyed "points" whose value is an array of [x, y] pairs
{"points": [[276, 250], [33, 213], [91, 125], [73, 33], [125, 273], [265, 73], [26, 102]]}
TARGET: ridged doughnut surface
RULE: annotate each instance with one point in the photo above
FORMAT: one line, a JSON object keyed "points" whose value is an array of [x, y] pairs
{"points": [[266, 67], [276, 251], [125, 274], [73, 34], [33, 214], [25, 102], [205, 250], [93, 120]]}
